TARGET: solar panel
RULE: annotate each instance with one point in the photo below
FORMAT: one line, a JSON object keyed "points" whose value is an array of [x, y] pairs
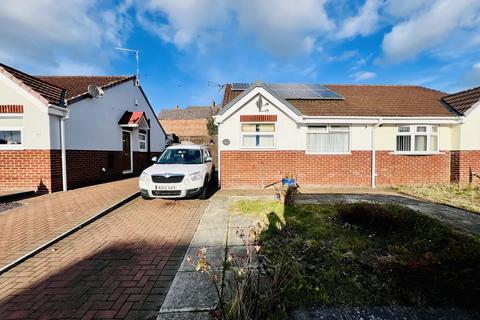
{"points": [[296, 91], [240, 86]]}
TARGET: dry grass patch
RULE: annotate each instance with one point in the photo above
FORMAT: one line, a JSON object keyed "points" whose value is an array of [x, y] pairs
{"points": [[462, 197]]}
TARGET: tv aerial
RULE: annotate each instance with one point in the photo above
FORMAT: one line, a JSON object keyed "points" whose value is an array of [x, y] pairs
{"points": [[137, 53]]}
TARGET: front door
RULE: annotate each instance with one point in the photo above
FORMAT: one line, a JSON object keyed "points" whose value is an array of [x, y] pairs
{"points": [[126, 151]]}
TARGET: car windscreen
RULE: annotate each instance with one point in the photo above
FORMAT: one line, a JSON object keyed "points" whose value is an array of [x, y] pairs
{"points": [[181, 156]]}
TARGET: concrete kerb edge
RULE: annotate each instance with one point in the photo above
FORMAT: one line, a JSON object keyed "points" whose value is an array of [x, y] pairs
{"points": [[69, 232]]}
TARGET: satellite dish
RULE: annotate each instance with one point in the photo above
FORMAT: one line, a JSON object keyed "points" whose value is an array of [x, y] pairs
{"points": [[95, 91]]}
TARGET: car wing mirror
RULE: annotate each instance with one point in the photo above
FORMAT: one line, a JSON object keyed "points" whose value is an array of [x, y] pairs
{"points": [[208, 159], [154, 159]]}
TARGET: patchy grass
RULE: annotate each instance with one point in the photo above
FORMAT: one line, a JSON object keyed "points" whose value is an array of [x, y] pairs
{"points": [[372, 255], [463, 197], [260, 208]]}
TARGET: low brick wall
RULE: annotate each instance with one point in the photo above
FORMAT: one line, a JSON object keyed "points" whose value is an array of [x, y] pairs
{"points": [[29, 169]]}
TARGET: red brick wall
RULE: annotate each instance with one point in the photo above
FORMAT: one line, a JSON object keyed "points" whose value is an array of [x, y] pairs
{"points": [[251, 168], [29, 169], [465, 166], [186, 128], [394, 169]]}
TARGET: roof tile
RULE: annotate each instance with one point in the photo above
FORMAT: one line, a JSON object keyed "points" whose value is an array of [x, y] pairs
{"points": [[369, 100], [462, 101]]}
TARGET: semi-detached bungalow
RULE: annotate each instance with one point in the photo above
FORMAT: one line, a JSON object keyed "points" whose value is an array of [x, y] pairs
{"points": [[347, 135], [56, 134]]}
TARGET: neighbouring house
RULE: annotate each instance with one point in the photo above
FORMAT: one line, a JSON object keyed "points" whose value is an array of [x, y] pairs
{"points": [[347, 135], [55, 135], [188, 124]]}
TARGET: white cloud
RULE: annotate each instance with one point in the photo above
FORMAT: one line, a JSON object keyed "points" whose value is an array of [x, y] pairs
{"points": [[282, 27], [43, 33], [181, 22], [405, 8], [363, 75], [472, 77], [365, 23], [278, 26], [430, 28]]}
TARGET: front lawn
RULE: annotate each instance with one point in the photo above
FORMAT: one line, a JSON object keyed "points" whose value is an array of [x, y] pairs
{"points": [[463, 197], [369, 255]]}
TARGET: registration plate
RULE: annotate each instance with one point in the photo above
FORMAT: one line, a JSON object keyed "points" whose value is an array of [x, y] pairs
{"points": [[164, 187]]}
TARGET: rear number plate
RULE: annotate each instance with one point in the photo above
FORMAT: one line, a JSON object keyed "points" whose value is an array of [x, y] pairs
{"points": [[164, 187]]}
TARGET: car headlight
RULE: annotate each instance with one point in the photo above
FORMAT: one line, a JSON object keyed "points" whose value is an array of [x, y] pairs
{"points": [[196, 176], [144, 176]]}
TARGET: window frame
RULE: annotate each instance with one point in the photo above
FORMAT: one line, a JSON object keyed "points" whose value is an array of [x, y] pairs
{"points": [[273, 133], [140, 141], [13, 146], [412, 133], [329, 130]]}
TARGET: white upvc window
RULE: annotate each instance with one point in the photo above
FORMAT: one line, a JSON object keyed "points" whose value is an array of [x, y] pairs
{"points": [[142, 142], [417, 139], [329, 139], [11, 138], [258, 135]]}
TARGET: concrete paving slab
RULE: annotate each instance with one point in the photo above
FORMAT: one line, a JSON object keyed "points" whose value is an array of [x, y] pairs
{"points": [[215, 255], [184, 316], [190, 291]]}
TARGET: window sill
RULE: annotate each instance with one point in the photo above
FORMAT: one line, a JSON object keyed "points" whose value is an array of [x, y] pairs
{"points": [[329, 153], [12, 147], [258, 148], [416, 153]]}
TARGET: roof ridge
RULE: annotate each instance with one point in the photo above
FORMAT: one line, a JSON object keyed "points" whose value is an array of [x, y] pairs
{"points": [[461, 92], [85, 76], [4, 66]]}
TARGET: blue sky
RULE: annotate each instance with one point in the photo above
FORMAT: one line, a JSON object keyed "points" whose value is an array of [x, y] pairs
{"points": [[184, 44]]}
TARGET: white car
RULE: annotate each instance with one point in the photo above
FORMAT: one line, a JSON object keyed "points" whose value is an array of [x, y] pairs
{"points": [[181, 171]]}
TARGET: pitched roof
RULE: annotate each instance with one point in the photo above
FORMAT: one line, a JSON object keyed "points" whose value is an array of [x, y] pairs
{"points": [[53, 93], [190, 113], [131, 118], [462, 101], [369, 100], [77, 86]]}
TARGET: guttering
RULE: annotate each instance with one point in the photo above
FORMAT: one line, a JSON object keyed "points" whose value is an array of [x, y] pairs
{"points": [[374, 154], [385, 120]]}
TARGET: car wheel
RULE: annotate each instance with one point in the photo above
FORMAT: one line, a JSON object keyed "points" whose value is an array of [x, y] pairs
{"points": [[204, 193], [145, 196]]}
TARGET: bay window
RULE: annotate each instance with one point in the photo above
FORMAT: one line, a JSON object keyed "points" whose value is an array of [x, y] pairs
{"points": [[328, 139], [417, 139], [258, 135]]}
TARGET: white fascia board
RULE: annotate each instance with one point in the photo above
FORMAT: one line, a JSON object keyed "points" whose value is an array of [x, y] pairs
{"points": [[387, 120], [129, 125], [259, 90], [57, 111], [17, 86]]}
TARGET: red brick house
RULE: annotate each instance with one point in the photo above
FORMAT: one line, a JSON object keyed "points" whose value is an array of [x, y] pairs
{"points": [[55, 135], [189, 123], [347, 135]]}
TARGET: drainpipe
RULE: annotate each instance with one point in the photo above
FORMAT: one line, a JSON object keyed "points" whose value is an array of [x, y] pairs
{"points": [[64, 156], [374, 154]]}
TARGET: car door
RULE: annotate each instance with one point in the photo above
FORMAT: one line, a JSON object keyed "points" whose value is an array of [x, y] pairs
{"points": [[208, 164]]}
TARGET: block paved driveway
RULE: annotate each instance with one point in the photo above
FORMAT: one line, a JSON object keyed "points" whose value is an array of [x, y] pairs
{"points": [[120, 266], [46, 217]]}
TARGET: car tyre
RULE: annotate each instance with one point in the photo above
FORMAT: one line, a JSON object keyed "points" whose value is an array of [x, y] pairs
{"points": [[204, 193]]}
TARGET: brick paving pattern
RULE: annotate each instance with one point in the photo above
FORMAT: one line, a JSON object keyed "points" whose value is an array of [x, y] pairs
{"points": [[119, 267], [43, 218]]}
